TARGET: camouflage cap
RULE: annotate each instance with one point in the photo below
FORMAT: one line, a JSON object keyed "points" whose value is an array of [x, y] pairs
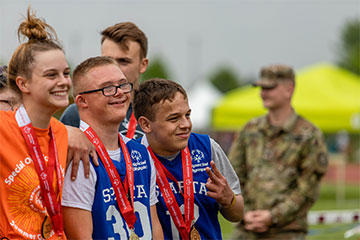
{"points": [[271, 75]]}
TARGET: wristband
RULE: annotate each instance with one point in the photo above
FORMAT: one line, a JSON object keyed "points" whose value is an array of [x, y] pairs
{"points": [[232, 202]]}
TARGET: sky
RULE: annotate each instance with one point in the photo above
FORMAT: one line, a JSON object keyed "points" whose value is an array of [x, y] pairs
{"points": [[195, 37]]}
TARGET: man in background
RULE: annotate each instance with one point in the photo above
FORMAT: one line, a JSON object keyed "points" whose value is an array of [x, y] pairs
{"points": [[280, 159]]}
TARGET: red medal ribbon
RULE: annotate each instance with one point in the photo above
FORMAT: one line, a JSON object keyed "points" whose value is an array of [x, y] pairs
{"points": [[169, 198], [132, 126], [45, 173], [124, 205]]}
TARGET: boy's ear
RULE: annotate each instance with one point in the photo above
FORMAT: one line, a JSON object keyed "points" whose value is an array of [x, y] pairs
{"points": [[80, 101], [145, 124]]}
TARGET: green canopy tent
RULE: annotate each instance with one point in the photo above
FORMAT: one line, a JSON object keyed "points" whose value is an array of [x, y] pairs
{"points": [[326, 95]]}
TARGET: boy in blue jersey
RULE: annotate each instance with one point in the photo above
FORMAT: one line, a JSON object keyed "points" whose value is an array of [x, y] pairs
{"points": [[189, 201], [128, 45], [118, 200]]}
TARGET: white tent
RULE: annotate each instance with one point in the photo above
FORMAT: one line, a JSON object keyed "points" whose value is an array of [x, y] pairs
{"points": [[202, 98]]}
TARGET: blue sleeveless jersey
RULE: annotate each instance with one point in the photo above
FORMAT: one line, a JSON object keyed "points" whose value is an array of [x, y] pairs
{"points": [[107, 219], [206, 208]]}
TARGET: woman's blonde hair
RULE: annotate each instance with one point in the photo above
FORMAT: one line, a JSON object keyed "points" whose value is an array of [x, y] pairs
{"points": [[41, 37]]}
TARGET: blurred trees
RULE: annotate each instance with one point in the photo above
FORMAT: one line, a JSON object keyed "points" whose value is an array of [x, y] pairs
{"points": [[156, 69], [349, 46], [225, 79]]}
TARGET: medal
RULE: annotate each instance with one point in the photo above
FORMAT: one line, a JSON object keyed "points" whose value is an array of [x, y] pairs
{"points": [[194, 234], [46, 228], [125, 204], [182, 225], [133, 235]]}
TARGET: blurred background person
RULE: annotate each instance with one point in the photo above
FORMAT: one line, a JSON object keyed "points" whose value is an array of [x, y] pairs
{"points": [[9, 99], [280, 159]]}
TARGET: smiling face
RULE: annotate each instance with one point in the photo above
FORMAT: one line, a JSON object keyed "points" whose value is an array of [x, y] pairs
{"points": [[96, 106], [50, 81], [170, 130]]}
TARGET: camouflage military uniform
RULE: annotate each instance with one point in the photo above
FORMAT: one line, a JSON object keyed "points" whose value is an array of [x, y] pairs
{"points": [[279, 169]]}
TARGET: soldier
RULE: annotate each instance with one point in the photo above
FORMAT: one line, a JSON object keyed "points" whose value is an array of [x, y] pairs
{"points": [[280, 159]]}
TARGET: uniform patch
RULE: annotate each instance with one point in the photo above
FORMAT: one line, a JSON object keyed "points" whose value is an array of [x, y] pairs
{"points": [[322, 159], [136, 155], [197, 155]]}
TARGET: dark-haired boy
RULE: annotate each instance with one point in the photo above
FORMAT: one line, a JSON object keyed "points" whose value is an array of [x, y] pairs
{"points": [[190, 167]]}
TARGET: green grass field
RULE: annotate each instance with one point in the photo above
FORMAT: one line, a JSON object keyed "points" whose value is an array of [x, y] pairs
{"points": [[330, 232], [316, 232], [327, 201]]}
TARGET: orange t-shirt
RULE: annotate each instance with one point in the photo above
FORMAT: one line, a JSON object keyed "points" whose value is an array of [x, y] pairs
{"points": [[22, 211]]}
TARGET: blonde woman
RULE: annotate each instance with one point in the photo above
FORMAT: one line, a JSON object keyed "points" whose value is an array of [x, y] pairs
{"points": [[33, 143]]}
